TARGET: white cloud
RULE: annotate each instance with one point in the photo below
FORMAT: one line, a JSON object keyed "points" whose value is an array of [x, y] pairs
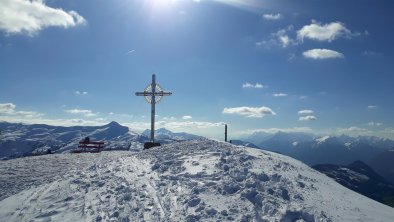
{"points": [[28, 114], [9, 113], [187, 117], [200, 127], [256, 85], [129, 52], [85, 112], [54, 122], [387, 133], [258, 44], [352, 130], [372, 107], [291, 56], [371, 53], [279, 38], [9, 110], [303, 97], [324, 32], [322, 54], [374, 124], [305, 112], [275, 130], [175, 125], [284, 40], [169, 118], [29, 17], [272, 16], [189, 124], [80, 92], [307, 118], [279, 94], [257, 112], [316, 31]]}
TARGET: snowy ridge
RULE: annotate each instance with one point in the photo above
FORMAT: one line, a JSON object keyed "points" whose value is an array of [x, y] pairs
{"points": [[23, 140], [189, 181]]}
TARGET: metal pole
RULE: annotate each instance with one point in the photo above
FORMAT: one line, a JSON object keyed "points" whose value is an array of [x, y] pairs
{"points": [[225, 132], [152, 126]]}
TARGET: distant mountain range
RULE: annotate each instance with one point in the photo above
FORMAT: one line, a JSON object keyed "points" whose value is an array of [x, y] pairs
{"points": [[166, 136], [17, 140], [361, 178], [243, 143], [312, 149]]}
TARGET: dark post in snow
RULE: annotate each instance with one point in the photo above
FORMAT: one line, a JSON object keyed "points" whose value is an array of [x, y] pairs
{"points": [[153, 93], [225, 132]]}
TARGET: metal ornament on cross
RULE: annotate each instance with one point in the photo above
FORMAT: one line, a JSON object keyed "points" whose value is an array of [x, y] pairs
{"points": [[153, 94]]}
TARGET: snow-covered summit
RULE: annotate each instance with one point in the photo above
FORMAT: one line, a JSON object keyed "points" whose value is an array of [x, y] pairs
{"points": [[201, 180]]}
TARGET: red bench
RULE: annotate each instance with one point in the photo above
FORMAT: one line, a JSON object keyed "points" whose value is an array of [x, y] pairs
{"points": [[89, 146]]}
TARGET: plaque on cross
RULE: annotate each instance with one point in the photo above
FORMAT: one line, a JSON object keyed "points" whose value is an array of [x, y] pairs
{"points": [[153, 93]]}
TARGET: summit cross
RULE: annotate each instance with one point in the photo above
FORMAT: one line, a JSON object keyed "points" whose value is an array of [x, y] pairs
{"points": [[153, 93]]}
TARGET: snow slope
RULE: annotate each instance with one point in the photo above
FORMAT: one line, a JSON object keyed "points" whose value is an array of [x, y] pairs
{"points": [[189, 181]]}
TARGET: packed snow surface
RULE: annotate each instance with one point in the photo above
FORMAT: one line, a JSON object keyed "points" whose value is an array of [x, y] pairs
{"points": [[200, 180]]}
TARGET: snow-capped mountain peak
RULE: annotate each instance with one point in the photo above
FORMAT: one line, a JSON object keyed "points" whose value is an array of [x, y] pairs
{"points": [[322, 139]]}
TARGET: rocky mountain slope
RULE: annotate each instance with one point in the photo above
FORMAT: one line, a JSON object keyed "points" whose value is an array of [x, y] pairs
{"points": [[361, 178]]}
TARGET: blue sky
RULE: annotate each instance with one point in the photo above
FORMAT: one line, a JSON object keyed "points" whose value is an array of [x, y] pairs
{"points": [[310, 66]]}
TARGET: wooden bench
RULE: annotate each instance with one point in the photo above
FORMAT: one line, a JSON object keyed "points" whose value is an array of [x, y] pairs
{"points": [[88, 146]]}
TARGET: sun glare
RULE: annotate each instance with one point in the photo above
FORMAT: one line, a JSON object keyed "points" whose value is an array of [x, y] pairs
{"points": [[246, 4], [162, 4]]}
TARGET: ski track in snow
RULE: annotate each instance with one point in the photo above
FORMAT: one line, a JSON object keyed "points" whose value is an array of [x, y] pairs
{"points": [[190, 181]]}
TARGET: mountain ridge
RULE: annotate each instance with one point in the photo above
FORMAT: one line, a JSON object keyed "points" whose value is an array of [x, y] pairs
{"points": [[18, 139], [319, 149]]}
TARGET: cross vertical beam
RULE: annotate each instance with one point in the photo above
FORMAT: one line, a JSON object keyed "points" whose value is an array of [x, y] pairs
{"points": [[153, 103], [225, 133]]}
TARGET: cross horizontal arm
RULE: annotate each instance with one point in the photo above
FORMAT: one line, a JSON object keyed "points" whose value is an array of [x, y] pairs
{"points": [[143, 94], [162, 93]]}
